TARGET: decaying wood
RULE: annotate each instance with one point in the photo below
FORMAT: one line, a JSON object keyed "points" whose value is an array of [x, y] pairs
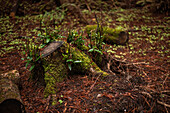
{"points": [[56, 68], [51, 48], [9, 90], [10, 100], [86, 66], [12, 75], [111, 35]]}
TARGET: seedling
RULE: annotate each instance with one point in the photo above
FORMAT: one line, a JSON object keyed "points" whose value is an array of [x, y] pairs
{"points": [[68, 55], [60, 101], [31, 53]]}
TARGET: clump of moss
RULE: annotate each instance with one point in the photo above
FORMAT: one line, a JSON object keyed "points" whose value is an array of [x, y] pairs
{"points": [[55, 71], [111, 35], [87, 63]]}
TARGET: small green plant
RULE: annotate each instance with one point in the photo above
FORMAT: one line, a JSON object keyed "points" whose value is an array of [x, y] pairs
{"points": [[68, 55], [95, 49], [96, 42], [60, 101], [46, 20], [96, 39], [71, 37], [53, 17], [31, 53], [76, 39], [71, 61], [49, 37], [79, 42]]}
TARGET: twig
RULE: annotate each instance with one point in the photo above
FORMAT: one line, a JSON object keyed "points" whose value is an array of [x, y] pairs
{"points": [[65, 107], [166, 109], [97, 29], [146, 93], [87, 6], [108, 67], [48, 103], [146, 101], [162, 103], [81, 111], [95, 82], [165, 91], [139, 63], [165, 80]]}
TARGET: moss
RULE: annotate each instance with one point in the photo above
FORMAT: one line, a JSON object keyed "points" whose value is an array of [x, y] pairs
{"points": [[90, 27], [86, 64], [106, 30], [84, 48], [56, 68], [111, 35], [55, 71], [50, 89], [54, 102], [77, 55], [98, 59]]}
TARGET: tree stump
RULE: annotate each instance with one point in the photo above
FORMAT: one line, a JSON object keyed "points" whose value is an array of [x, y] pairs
{"points": [[56, 68]]}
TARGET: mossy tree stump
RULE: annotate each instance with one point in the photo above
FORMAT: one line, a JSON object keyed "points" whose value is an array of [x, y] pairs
{"points": [[56, 68], [55, 71]]}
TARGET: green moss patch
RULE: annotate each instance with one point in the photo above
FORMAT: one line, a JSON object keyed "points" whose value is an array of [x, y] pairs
{"points": [[55, 71], [111, 35]]}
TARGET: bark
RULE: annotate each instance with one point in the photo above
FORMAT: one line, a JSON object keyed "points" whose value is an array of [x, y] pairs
{"points": [[10, 100], [12, 75]]}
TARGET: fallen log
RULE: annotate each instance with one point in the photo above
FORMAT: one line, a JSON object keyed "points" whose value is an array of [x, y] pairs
{"points": [[12, 75], [110, 35], [10, 99]]}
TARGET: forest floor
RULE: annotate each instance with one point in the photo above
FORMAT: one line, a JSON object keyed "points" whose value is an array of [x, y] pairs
{"points": [[144, 86]]}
